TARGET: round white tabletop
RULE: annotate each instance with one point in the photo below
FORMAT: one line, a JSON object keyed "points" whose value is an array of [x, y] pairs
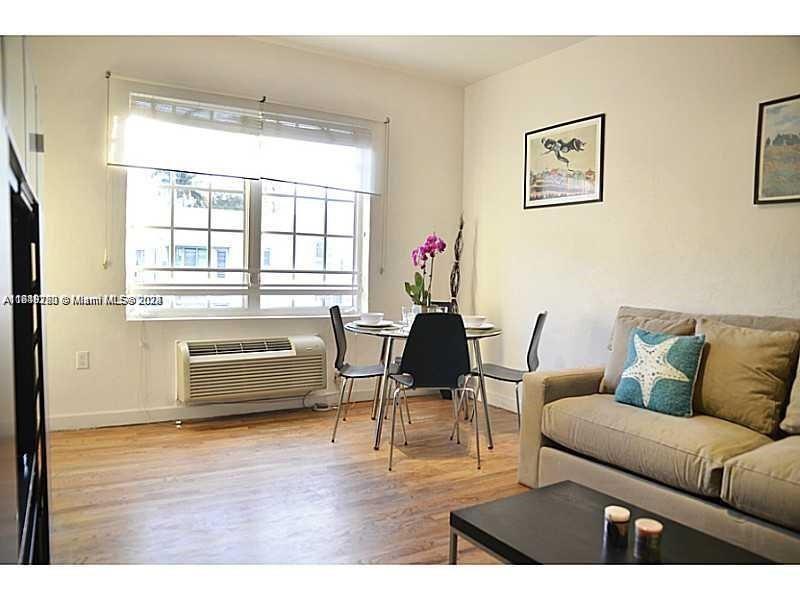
{"points": [[399, 331]]}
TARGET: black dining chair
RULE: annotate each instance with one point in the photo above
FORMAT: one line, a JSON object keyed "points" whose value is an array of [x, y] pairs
{"points": [[349, 373], [435, 356], [515, 376]]}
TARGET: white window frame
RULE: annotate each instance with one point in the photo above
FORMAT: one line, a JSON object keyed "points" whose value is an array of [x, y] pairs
{"points": [[251, 288]]}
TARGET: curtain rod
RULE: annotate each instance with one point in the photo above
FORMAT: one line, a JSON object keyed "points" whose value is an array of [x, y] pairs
{"points": [[385, 120]]}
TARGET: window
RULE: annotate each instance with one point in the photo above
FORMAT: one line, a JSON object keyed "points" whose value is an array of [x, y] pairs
{"points": [[238, 207], [190, 238], [309, 245]]}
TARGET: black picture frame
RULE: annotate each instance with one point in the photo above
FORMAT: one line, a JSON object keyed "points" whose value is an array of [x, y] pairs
{"points": [[601, 118], [757, 176]]}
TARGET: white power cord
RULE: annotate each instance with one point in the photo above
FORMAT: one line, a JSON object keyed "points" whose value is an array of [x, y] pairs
{"points": [[317, 406], [141, 391]]}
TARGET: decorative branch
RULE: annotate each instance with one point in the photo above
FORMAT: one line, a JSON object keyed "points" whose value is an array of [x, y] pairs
{"points": [[455, 272]]}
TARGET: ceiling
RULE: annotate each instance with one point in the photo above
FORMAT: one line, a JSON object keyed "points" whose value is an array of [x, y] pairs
{"points": [[459, 60]]}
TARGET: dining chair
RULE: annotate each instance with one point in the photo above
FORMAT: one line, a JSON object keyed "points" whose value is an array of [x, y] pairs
{"points": [[349, 373], [515, 376], [435, 356]]}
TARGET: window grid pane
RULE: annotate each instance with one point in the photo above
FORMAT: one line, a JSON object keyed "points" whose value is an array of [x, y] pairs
{"points": [[190, 194], [281, 197], [307, 231]]}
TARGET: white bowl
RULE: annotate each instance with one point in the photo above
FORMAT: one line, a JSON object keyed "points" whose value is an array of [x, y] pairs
{"points": [[473, 320], [371, 318]]}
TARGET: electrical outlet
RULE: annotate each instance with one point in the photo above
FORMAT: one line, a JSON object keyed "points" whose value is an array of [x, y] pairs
{"points": [[82, 359]]}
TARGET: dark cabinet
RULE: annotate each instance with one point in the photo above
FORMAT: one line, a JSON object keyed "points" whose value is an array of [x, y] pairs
{"points": [[29, 405], [24, 500]]}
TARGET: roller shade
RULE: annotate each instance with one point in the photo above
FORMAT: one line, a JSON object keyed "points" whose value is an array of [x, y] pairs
{"points": [[158, 127]]}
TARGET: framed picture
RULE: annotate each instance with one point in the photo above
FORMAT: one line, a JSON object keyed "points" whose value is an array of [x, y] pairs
{"points": [[564, 163], [778, 151]]}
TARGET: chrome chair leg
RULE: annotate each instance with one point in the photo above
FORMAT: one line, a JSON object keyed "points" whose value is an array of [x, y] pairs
{"points": [[394, 420], [402, 422], [338, 410], [408, 410], [466, 404], [462, 403], [375, 398], [456, 432], [519, 414], [464, 392], [458, 405], [469, 416], [393, 385], [477, 434], [349, 394]]}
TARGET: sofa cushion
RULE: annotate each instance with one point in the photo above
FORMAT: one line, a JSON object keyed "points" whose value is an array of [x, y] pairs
{"points": [[766, 482], [743, 376], [791, 424], [623, 327], [680, 452]]}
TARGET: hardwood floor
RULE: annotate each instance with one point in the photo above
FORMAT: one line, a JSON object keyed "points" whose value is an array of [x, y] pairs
{"points": [[271, 488]]}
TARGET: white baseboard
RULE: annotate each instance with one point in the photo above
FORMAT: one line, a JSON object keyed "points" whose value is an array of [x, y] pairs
{"points": [[158, 414], [508, 403]]}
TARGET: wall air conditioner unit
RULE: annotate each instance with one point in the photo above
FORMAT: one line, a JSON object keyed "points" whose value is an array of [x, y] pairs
{"points": [[212, 371]]}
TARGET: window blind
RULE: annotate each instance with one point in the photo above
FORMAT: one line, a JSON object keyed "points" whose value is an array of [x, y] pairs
{"points": [[161, 127]]}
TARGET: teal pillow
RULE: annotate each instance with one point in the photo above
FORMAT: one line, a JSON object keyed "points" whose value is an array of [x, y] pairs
{"points": [[660, 372]]}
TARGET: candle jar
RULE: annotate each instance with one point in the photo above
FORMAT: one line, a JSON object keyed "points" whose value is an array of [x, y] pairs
{"points": [[647, 544], [616, 523]]}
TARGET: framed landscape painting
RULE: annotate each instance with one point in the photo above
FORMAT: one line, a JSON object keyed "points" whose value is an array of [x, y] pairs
{"points": [[778, 151], [564, 163]]}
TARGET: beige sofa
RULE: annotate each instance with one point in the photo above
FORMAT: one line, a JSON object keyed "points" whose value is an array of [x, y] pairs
{"points": [[711, 474]]}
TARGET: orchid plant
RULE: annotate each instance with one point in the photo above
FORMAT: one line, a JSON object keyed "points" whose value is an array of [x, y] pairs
{"points": [[423, 257]]}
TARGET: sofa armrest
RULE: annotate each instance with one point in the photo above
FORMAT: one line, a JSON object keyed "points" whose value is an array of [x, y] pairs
{"points": [[538, 390]]}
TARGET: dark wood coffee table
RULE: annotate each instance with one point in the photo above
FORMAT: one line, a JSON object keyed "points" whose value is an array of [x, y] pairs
{"points": [[563, 524]]}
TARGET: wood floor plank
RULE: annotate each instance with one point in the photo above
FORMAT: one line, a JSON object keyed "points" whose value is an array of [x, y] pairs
{"points": [[272, 489]]}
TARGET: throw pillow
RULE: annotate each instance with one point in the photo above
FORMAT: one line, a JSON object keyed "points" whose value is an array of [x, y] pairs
{"points": [[744, 377], [621, 336], [660, 372]]}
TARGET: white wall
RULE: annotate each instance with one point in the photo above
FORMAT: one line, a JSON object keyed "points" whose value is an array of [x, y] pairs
{"points": [[129, 382], [677, 228]]}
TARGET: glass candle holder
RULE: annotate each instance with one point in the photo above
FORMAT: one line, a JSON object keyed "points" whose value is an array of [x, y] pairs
{"points": [[647, 545], [616, 521]]}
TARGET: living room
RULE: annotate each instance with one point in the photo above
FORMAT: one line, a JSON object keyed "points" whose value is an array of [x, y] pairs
{"points": [[462, 297]]}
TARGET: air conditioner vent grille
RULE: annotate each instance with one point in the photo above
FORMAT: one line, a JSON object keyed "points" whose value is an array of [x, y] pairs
{"points": [[235, 347], [243, 370], [275, 344], [262, 377]]}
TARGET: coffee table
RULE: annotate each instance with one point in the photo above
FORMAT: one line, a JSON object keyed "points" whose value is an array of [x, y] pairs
{"points": [[563, 524]]}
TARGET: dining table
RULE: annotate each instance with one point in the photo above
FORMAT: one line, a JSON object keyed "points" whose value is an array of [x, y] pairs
{"points": [[399, 331]]}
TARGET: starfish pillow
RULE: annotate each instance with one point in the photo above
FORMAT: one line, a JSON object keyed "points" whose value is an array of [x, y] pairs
{"points": [[660, 372]]}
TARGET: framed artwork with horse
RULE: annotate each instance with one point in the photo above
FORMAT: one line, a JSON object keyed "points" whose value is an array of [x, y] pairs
{"points": [[564, 163]]}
